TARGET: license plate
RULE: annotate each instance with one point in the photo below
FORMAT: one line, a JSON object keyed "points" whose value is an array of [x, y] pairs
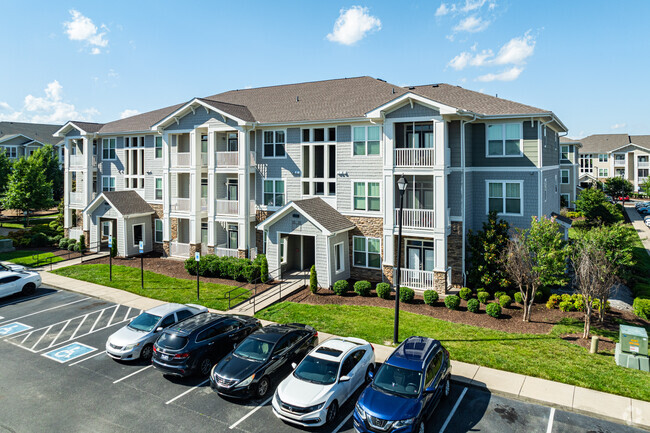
{"points": [[165, 357]]}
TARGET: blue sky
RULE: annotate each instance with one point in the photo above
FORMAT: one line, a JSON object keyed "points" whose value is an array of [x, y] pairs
{"points": [[587, 61]]}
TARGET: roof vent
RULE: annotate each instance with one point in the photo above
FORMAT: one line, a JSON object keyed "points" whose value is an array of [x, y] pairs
{"points": [[411, 87], [434, 85], [379, 79], [297, 98], [393, 90]]}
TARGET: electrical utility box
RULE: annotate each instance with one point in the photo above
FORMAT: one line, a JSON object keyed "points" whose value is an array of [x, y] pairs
{"points": [[632, 348]]}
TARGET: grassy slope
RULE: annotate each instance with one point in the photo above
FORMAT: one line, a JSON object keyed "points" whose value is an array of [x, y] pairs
{"points": [[544, 356], [156, 286], [24, 257]]}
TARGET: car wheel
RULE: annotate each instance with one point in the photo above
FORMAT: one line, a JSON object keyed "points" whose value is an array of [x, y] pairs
{"points": [[370, 369], [29, 289], [447, 389], [262, 387], [205, 366], [332, 412], [147, 352]]}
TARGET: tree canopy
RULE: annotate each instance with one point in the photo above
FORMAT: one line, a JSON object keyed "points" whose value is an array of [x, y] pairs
{"points": [[27, 188], [486, 247], [47, 160], [593, 204], [618, 187]]}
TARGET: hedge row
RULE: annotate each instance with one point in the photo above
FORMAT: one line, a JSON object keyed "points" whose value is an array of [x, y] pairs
{"points": [[230, 268], [575, 302]]}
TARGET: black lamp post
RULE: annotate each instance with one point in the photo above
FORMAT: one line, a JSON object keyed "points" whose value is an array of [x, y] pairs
{"points": [[401, 185]]}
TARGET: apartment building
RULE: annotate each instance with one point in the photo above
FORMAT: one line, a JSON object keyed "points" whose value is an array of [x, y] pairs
{"points": [[307, 174], [607, 155], [19, 139], [569, 171]]}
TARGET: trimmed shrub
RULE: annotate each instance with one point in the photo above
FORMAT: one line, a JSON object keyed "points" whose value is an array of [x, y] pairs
{"points": [[465, 293], [493, 310], [72, 241], [71, 247], [114, 248], [341, 287], [499, 294], [39, 240], [190, 266], [264, 267], [473, 306], [362, 288], [481, 289], [63, 243], [518, 298], [313, 279], [452, 302], [642, 308], [553, 302], [483, 297], [383, 290], [430, 297], [82, 243], [505, 301], [565, 297], [77, 248], [406, 294], [566, 306]]}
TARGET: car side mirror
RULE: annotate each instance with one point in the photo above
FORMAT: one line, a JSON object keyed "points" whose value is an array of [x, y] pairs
{"points": [[344, 379], [430, 390], [160, 328], [294, 365], [371, 374]]}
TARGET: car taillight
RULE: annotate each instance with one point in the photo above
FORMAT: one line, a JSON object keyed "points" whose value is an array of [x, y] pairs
{"points": [[372, 347], [181, 355], [316, 334]]}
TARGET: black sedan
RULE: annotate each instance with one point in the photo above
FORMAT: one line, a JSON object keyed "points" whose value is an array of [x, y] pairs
{"points": [[249, 369], [196, 344]]}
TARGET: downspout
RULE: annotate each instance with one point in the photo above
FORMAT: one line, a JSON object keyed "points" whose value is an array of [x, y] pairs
{"points": [[462, 163]]}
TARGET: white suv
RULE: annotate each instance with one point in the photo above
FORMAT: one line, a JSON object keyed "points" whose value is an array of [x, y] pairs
{"points": [[24, 282]]}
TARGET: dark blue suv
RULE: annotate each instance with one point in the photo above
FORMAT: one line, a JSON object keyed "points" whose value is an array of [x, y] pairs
{"points": [[406, 389]]}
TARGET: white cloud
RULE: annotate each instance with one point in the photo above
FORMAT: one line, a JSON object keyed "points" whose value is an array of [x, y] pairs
{"points": [[619, 125], [472, 24], [445, 9], [471, 5], [82, 28], [128, 113], [465, 59], [507, 75], [516, 50], [50, 108], [353, 24]]}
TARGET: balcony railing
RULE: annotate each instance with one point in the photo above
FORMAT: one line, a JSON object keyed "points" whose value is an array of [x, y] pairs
{"points": [[181, 159], [414, 157], [227, 159], [619, 163], [178, 249], [204, 204], [252, 157], [204, 159], [181, 204], [415, 279], [76, 198], [416, 218], [227, 207], [226, 252], [77, 161], [252, 207], [643, 164]]}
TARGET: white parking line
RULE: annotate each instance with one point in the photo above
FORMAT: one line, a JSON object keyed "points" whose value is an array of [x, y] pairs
{"points": [[188, 391], [86, 359], [57, 335], [550, 421], [133, 374], [29, 299], [451, 414], [343, 422], [127, 313], [97, 320], [43, 311], [251, 413], [63, 321], [44, 334]]}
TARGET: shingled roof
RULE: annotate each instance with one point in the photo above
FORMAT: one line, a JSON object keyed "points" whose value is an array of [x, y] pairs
{"points": [[40, 132], [324, 214], [641, 140], [139, 122], [128, 202], [603, 143]]}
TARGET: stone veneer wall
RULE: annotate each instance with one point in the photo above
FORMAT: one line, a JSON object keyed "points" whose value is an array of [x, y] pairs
{"points": [[455, 252], [260, 216], [370, 228], [174, 228], [158, 248]]}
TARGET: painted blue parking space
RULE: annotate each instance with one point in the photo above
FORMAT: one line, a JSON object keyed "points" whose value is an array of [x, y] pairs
{"points": [[69, 352], [13, 328]]}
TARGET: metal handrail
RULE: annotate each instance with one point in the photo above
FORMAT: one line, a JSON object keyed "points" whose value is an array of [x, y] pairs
{"points": [[254, 289]]}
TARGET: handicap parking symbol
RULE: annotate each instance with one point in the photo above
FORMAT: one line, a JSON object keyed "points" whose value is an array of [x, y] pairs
{"points": [[69, 352], [13, 328]]}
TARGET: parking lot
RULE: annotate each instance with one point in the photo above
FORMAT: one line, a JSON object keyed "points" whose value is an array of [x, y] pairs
{"points": [[55, 376]]}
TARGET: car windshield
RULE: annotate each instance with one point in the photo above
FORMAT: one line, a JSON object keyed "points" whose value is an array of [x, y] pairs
{"points": [[317, 370], [171, 341], [254, 349], [144, 322], [3, 267], [396, 380]]}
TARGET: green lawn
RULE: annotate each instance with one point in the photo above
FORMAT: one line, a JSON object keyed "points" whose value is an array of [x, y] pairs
{"points": [[156, 286], [25, 257], [544, 356]]}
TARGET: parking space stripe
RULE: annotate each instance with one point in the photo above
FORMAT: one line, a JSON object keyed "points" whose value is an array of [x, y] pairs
{"points": [[59, 334], [343, 422], [97, 320], [44, 334], [29, 299], [86, 359], [43, 311], [79, 326], [188, 391], [112, 316], [549, 428], [127, 313], [453, 410], [251, 413], [133, 374]]}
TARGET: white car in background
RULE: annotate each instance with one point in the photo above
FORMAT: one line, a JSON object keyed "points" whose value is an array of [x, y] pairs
{"points": [[135, 340], [10, 267], [12, 282], [323, 381]]}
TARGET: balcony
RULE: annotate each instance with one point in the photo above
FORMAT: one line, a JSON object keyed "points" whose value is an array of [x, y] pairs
{"points": [[181, 159], [178, 249], [414, 157], [643, 164], [619, 163], [204, 204], [180, 204], [204, 159], [77, 161], [76, 198], [415, 279], [227, 207], [226, 252], [416, 218], [227, 159]]}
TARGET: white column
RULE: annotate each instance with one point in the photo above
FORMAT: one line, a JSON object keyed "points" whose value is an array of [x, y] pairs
{"points": [[244, 188], [167, 193], [67, 220], [212, 193], [87, 177]]}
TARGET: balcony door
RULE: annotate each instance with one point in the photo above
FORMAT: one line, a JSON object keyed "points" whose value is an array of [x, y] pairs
{"points": [[232, 236], [232, 189], [232, 142], [419, 255]]}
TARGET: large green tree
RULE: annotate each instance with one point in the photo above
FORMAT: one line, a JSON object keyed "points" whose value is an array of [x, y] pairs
{"points": [[486, 247], [645, 186], [618, 187], [593, 204], [47, 160], [5, 169], [28, 189]]}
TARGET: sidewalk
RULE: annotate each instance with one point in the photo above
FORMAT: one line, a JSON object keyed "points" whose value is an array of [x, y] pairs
{"points": [[546, 392], [637, 222]]}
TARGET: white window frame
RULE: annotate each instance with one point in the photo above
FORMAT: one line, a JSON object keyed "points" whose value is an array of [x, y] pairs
{"points": [[264, 143], [156, 189], [503, 140], [603, 157], [9, 149], [568, 198], [366, 252], [282, 248], [109, 144], [603, 172], [155, 231], [104, 178], [504, 182], [365, 148], [337, 258], [366, 182], [155, 146], [136, 244], [106, 224], [565, 152], [562, 173], [284, 192]]}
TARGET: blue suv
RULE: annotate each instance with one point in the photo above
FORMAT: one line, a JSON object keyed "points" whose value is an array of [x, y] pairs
{"points": [[406, 389]]}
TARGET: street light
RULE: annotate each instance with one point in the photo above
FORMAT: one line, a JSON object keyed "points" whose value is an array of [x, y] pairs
{"points": [[401, 185]]}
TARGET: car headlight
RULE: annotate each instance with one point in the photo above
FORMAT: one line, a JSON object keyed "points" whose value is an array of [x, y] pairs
{"points": [[131, 346], [315, 407], [360, 411], [404, 422], [246, 381]]}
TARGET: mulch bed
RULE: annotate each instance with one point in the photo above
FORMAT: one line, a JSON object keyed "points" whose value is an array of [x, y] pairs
{"points": [[542, 319], [604, 345]]}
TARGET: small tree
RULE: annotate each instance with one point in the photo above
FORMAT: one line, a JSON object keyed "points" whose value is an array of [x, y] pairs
{"points": [[114, 247], [593, 204], [46, 160], [645, 186], [28, 190], [264, 269], [519, 266], [313, 279], [618, 187], [486, 247], [5, 170]]}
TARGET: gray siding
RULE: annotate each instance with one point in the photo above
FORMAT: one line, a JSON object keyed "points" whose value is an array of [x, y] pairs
{"points": [[453, 138], [476, 146], [147, 234], [74, 132], [550, 148], [418, 110], [550, 197], [280, 168], [344, 133], [455, 193], [199, 117], [530, 130], [345, 274], [469, 139]]}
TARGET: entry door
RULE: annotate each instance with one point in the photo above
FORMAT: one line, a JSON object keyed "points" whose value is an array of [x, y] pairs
{"points": [[413, 260], [232, 189], [232, 237]]}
